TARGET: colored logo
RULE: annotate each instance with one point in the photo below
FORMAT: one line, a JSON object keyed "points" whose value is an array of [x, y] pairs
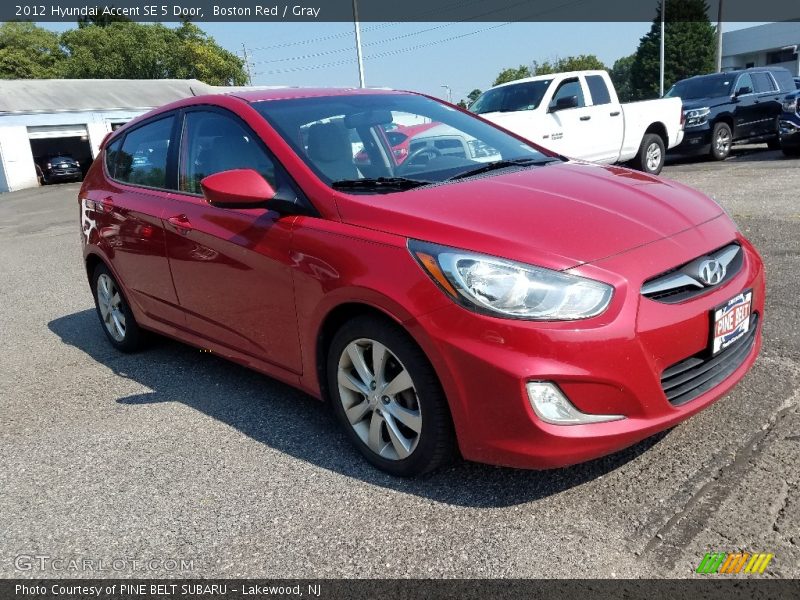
{"points": [[734, 562]]}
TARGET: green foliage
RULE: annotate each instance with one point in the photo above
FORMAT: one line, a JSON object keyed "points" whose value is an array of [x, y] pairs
{"points": [[621, 77], [583, 62], [512, 74], [689, 48], [28, 51], [117, 49], [473, 95]]}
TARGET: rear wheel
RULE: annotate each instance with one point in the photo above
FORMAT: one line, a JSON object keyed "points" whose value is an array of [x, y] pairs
{"points": [[388, 399], [114, 313], [650, 158], [721, 140]]}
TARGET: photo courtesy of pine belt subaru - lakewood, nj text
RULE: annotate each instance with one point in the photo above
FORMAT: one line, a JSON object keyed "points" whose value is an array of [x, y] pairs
{"points": [[449, 287]]}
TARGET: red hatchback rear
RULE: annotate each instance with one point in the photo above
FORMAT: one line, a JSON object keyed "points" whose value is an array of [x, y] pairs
{"points": [[481, 295]]}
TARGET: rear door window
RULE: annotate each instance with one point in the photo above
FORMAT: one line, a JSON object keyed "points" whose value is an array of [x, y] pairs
{"points": [[598, 89], [143, 158], [763, 83]]}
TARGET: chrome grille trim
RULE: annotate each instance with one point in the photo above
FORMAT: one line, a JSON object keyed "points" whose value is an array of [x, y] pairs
{"points": [[684, 282]]}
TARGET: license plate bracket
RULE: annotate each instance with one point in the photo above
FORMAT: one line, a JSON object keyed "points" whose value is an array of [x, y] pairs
{"points": [[730, 321]]}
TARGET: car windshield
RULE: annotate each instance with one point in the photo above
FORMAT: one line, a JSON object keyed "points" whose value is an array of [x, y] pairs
{"points": [[713, 86], [390, 139], [508, 98]]}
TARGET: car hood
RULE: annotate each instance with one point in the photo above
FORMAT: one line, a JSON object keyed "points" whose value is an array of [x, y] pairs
{"points": [[558, 215], [705, 102]]}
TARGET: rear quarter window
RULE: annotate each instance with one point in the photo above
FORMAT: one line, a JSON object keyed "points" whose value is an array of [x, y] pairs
{"points": [[112, 155]]}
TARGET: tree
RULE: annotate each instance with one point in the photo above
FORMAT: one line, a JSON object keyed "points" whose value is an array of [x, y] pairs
{"points": [[621, 76], [128, 50], [583, 62], [473, 95], [28, 51], [512, 74], [689, 48]]}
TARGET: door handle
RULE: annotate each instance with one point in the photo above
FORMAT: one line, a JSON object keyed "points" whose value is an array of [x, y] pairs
{"points": [[181, 223], [615, 113], [585, 118]]}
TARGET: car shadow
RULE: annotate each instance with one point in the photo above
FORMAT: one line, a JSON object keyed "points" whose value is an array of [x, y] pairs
{"points": [[294, 423]]}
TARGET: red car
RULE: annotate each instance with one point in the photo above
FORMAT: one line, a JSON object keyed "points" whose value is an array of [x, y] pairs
{"points": [[528, 311], [399, 139]]}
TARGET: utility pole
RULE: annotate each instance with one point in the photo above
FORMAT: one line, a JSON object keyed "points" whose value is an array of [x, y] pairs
{"points": [[449, 93], [719, 37], [247, 65], [357, 26], [661, 79]]}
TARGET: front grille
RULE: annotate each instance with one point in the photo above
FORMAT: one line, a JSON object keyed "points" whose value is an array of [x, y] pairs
{"points": [[682, 283], [694, 376]]}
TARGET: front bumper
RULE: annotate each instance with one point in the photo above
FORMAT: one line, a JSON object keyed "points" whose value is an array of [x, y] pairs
{"points": [[789, 132], [696, 140], [611, 364]]}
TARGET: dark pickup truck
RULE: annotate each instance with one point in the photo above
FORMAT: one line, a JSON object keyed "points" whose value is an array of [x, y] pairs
{"points": [[732, 107]]}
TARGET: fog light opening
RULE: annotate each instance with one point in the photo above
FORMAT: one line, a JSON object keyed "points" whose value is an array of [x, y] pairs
{"points": [[552, 406]]}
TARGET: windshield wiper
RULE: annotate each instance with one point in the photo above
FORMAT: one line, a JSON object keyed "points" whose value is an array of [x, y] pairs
{"points": [[503, 164], [379, 183]]}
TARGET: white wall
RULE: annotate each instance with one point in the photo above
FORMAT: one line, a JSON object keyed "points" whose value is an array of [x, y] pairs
{"points": [[17, 170]]}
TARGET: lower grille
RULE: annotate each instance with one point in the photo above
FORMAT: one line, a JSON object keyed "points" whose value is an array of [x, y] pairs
{"points": [[694, 376]]}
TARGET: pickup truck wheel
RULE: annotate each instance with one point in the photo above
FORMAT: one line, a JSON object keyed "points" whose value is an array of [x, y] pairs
{"points": [[650, 158], [721, 139]]}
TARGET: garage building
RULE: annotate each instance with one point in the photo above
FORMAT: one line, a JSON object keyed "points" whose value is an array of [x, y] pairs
{"points": [[41, 118]]}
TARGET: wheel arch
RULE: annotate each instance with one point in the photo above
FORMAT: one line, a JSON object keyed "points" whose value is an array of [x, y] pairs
{"points": [[659, 129]]}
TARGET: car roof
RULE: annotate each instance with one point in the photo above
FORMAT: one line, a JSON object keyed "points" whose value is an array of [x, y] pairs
{"points": [[738, 72], [299, 92]]}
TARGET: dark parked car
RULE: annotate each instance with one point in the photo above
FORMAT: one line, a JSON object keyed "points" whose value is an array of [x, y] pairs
{"points": [[789, 125], [61, 167], [736, 106]]}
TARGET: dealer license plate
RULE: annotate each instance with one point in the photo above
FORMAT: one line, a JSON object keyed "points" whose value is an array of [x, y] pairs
{"points": [[730, 321]]}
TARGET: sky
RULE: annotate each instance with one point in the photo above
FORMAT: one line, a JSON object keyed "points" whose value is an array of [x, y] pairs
{"points": [[417, 56]]}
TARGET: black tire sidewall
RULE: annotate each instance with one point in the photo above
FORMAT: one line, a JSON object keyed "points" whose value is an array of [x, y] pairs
{"points": [[435, 445], [714, 132], [134, 336]]}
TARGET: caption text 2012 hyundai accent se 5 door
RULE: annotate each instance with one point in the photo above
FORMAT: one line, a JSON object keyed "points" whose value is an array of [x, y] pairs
{"points": [[471, 293]]}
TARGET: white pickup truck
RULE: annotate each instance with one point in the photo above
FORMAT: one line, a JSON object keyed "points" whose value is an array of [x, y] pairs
{"points": [[578, 114]]}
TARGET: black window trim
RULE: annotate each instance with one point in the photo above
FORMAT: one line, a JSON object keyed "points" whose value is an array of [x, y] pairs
{"points": [[170, 173], [577, 79], [301, 202]]}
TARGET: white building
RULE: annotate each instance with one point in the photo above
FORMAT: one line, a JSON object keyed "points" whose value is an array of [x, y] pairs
{"points": [[773, 44], [45, 117]]}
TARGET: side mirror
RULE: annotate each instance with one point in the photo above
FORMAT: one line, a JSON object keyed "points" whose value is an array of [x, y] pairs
{"points": [[237, 188], [743, 91], [564, 103]]}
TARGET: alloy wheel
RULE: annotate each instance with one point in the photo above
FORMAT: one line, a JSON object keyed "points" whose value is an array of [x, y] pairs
{"points": [[653, 157], [379, 399], [723, 141], [109, 301]]}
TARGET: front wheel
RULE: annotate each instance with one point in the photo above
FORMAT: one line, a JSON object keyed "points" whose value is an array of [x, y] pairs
{"points": [[721, 140], [650, 158], [388, 399]]}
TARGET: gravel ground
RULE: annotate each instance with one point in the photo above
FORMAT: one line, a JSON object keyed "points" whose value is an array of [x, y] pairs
{"points": [[175, 454]]}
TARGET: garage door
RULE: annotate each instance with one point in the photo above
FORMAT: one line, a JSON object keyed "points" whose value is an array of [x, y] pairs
{"points": [[46, 132]]}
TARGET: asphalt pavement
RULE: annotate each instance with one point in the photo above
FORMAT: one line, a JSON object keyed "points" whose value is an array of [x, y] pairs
{"points": [[175, 455]]}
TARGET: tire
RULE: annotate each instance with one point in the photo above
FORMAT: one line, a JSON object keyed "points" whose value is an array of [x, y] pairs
{"points": [[650, 157], [774, 144], [115, 315], [721, 140], [420, 440]]}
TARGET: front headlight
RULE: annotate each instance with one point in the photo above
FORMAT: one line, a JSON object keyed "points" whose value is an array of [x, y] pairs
{"points": [[790, 105], [696, 116], [510, 289]]}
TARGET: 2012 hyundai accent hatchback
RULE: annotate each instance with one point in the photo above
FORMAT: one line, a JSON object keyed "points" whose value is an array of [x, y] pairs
{"points": [[478, 294]]}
